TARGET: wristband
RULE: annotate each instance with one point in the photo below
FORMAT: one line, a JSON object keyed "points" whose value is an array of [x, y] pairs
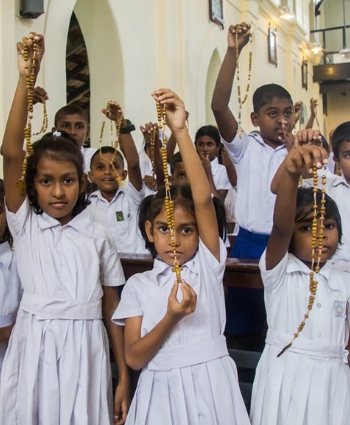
{"points": [[128, 128]]}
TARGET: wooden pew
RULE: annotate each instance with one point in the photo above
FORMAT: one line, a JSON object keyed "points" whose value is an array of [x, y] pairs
{"points": [[239, 272]]}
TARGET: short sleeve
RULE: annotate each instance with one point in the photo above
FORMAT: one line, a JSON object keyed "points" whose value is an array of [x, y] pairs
{"points": [[237, 146], [111, 270], [273, 279], [16, 221], [129, 305]]}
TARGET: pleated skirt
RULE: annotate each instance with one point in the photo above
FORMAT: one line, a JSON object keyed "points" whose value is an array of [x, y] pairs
{"points": [[298, 389]]}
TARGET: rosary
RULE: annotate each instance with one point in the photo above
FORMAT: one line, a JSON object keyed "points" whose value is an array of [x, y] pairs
{"points": [[316, 248], [169, 204], [114, 143], [30, 81], [238, 29]]}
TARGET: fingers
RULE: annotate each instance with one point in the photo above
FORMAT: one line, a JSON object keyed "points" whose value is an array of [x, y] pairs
{"points": [[308, 136], [308, 155], [189, 297]]}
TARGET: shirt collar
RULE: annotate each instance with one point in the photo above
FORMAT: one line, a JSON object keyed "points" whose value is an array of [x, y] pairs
{"points": [[81, 222], [339, 180], [162, 271], [259, 139], [97, 194], [296, 265]]}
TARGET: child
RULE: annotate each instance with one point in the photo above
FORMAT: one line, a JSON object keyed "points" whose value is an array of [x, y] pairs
{"points": [[338, 186], [174, 331], [207, 142], [112, 204], [10, 285], [75, 121], [307, 382], [57, 364], [256, 158]]}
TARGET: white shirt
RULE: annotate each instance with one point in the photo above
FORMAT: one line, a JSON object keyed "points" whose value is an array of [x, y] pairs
{"points": [[87, 153], [256, 164], [220, 177], [120, 216], [10, 285]]}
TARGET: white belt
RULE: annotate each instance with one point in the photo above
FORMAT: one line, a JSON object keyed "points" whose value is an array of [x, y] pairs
{"points": [[301, 345], [61, 309], [202, 351]]}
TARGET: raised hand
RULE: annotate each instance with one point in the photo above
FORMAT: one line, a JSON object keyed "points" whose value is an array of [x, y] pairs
{"points": [[304, 157], [175, 108], [114, 112], [39, 95], [179, 309], [240, 34], [25, 66]]}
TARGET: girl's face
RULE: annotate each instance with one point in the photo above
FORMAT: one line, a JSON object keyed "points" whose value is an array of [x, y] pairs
{"points": [[302, 239], [206, 146], [185, 231], [58, 187]]}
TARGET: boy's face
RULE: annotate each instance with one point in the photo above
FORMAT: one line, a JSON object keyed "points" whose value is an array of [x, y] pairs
{"points": [[270, 118], [179, 177], [75, 125], [206, 146], [104, 175], [343, 161]]}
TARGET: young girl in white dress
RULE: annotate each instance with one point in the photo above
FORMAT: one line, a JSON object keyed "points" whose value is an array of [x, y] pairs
{"points": [[174, 332], [307, 382], [10, 285], [57, 369]]}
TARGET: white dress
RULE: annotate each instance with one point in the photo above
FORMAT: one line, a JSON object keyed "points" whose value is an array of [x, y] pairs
{"points": [[56, 370], [10, 291], [191, 380], [310, 383]]}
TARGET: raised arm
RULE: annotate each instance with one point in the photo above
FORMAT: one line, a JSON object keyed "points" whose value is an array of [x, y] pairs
{"points": [[313, 114], [204, 208], [224, 117], [298, 159], [12, 145], [127, 146]]}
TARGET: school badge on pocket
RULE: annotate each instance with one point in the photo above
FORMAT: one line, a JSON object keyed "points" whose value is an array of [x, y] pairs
{"points": [[119, 215], [339, 309]]}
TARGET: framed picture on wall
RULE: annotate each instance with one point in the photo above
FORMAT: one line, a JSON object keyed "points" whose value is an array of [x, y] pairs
{"points": [[216, 12], [272, 45], [304, 74]]}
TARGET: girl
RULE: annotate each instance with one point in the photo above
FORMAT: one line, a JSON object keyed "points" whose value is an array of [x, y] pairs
{"points": [[208, 142], [10, 285], [307, 382], [174, 332], [56, 369]]}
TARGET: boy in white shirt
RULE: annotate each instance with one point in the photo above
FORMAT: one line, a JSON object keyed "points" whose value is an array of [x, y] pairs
{"points": [[113, 204]]}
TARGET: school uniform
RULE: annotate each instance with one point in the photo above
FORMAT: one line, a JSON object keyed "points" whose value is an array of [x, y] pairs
{"points": [[220, 177], [57, 367], [191, 379], [256, 164], [121, 217], [87, 153], [310, 382], [10, 291]]}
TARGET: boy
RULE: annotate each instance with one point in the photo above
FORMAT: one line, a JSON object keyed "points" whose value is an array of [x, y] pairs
{"points": [[115, 206], [256, 158], [75, 121]]}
